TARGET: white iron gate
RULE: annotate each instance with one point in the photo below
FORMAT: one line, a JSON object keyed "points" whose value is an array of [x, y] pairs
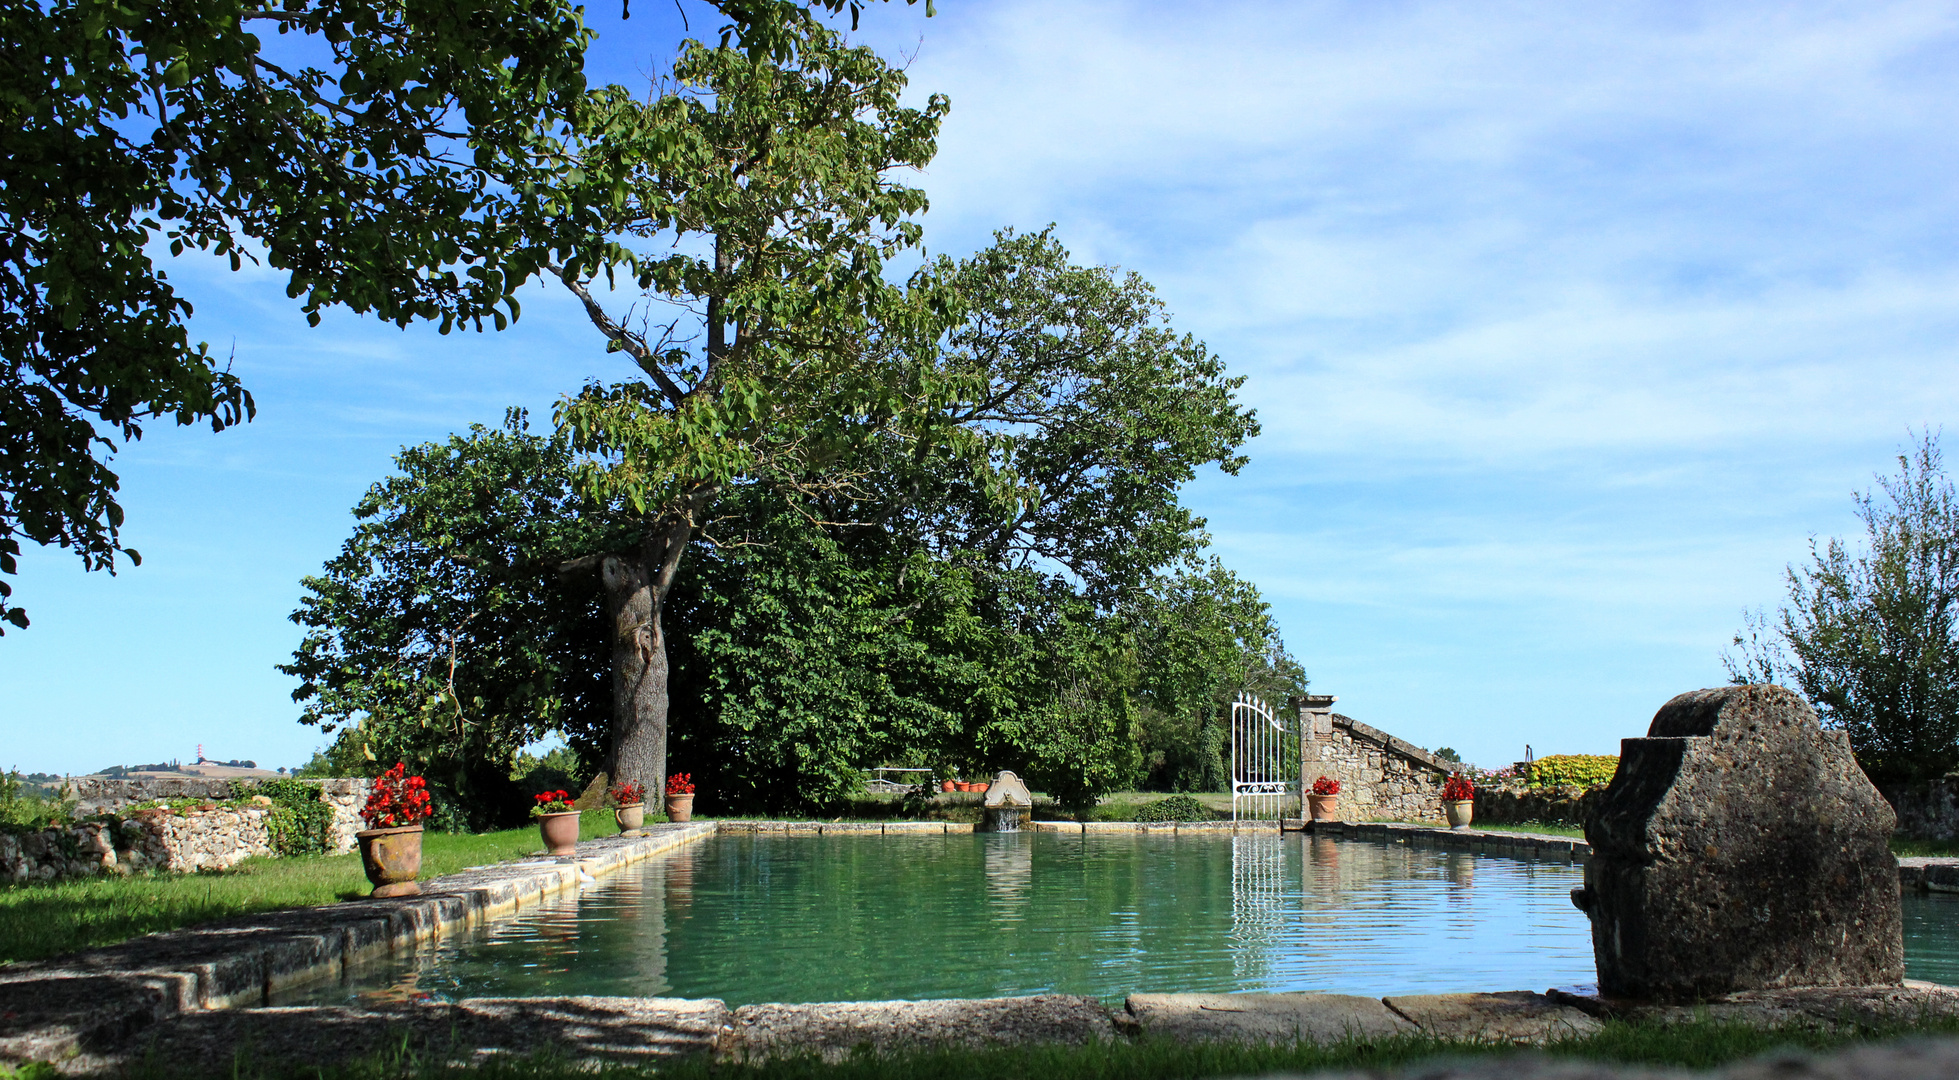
{"points": [[1262, 785]]}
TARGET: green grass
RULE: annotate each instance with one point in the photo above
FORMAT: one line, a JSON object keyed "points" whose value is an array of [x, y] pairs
{"points": [[1903, 847], [47, 919], [1697, 1045], [1537, 827]]}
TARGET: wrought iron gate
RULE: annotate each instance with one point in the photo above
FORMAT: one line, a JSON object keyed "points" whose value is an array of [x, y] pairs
{"points": [[1264, 761]]}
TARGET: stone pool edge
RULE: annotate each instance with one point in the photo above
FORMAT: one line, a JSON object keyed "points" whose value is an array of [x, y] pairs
{"points": [[58, 1008]]}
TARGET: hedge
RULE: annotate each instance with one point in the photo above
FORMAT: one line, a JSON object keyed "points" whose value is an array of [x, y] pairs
{"points": [[1566, 770]]}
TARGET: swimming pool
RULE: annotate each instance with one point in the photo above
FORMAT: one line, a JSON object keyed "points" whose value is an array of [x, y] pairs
{"points": [[757, 917]]}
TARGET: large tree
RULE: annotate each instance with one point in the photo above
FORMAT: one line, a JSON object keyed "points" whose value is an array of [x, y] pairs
{"points": [[757, 189], [401, 172], [439, 635], [1870, 635], [411, 160]]}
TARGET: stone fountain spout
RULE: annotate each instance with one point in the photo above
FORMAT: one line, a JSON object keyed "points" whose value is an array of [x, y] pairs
{"points": [[1008, 804]]}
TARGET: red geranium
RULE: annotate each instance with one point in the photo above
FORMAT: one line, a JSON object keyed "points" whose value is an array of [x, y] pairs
{"points": [[1458, 789], [398, 799], [627, 793], [551, 802], [1326, 786], [680, 784]]}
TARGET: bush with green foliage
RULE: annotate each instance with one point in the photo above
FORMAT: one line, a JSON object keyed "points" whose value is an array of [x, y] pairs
{"points": [[1174, 808], [1572, 770], [300, 822], [23, 806], [1871, 637]]}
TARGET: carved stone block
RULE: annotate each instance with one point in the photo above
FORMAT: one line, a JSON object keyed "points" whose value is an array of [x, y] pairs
{"points": [[1740, 847]]}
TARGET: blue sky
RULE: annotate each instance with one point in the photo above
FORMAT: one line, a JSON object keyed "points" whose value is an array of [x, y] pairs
{"points": [[1568, 327]]}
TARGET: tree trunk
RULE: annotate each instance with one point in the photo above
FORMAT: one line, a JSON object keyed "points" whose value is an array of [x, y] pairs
{"points": [[639, 675], [636, 587]]}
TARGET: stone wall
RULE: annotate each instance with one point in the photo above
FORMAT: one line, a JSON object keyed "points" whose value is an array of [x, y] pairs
{"points": [[1550, 805], [157, 838], [153, 839], [99, 795], [1380, 776], [1926, 811]]}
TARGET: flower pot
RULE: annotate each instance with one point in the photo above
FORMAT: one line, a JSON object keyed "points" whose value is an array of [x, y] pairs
{"points": [[680, 808], [1460, 813], [560, 832], [1324, 807], [948, 785], [392, 859], [630, 817]]}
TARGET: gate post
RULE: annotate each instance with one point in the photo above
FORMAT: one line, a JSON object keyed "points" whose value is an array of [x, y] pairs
{"points": [[1315, 732]]}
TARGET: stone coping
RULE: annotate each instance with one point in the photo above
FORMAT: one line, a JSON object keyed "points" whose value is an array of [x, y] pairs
{"points": [[1917, 872], [600, 1029], [60, 1007], [1488, 841]]}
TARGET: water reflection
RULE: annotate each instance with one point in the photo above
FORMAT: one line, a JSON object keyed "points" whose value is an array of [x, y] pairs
{"points": [[1009, 869]]}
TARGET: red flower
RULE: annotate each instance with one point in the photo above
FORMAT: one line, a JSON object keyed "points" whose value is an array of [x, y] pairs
{"points": [[680, 784], [397, 799], [1458, 789], [1326, 786]]}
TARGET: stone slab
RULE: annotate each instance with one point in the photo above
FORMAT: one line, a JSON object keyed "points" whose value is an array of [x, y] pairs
{"points": [[833, 1030], [579, 1028], [1055, 826], [1928, 874], [1814, 1006], [914, 828], [1264, 1018], [1515, 1017]]}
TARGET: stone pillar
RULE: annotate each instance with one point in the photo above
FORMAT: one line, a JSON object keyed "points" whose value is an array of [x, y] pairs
{"points": [[1740, 847], [1315, 732]]}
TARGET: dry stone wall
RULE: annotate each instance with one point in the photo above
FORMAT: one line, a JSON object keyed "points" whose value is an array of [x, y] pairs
{"points": [[1927, 811], [1380, 776], [147, 840], [118, 840], [1518, 805], [99, 795]]}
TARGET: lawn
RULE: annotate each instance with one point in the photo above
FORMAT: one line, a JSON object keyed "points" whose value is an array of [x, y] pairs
{"points": [[48, 919], [1696, 1045]]}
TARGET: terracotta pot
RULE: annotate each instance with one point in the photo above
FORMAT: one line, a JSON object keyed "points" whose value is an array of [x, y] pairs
{"points": [[629, 817], [1460, 813], [560, 832], [680, 808], [948, 785], [392, 859], [981, 788], [1323, 807]]}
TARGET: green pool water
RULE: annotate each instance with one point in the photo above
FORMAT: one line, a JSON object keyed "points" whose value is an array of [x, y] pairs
{"points": [[841, 918]]}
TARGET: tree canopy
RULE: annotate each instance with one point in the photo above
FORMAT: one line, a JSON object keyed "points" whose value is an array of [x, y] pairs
{"points": [[389, 158], [824, 626], [415, 161], [1871, 636]]}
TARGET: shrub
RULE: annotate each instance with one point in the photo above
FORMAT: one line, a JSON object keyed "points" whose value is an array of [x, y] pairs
{"points": [[1174, 808], [1579, 770], [300, 820], [25, 807]]}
